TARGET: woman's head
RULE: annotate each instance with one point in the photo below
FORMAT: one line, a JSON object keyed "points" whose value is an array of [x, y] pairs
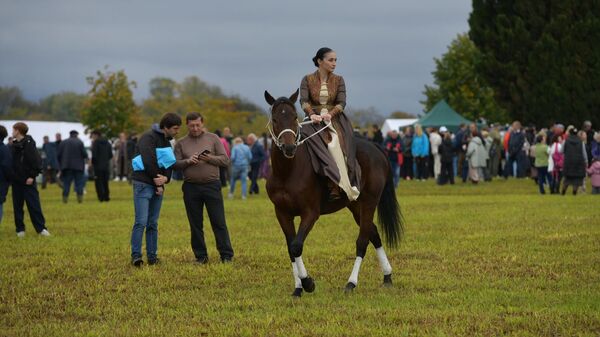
{"points": [[418, 130], [325, 59], [237, 140]]}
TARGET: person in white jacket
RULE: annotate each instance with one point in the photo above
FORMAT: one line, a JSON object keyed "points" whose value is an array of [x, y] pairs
{"points": [[435, 140]]}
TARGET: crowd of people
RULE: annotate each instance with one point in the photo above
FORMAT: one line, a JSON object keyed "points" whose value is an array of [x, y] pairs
{"points": [[554, 157]]}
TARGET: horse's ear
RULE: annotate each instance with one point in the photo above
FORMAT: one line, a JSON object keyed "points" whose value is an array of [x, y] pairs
{"points": [[269, 98], [294, 96]]}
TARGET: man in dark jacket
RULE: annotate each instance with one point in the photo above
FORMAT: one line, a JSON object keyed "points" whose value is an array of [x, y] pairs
{"points": [[101, 156], [258, 155], [515, 151], [72, 157], [50, 162], [393, 148], [447, 152], [148, 186], [5, 168], [26, 165]]}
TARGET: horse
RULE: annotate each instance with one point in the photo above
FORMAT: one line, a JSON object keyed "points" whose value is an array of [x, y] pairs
{"points": [[296, 190]]}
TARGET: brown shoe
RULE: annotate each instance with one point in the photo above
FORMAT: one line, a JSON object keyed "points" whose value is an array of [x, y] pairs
{"points": [[334, 193]]}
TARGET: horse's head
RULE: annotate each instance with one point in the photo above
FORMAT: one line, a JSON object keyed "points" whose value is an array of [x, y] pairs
{"points": [[283, 123]]}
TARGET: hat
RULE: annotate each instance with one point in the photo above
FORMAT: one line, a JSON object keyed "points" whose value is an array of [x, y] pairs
{"points": [[73, 133], [443, 129]]}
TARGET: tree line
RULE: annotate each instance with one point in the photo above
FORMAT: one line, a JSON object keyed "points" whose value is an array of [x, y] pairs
{"points": [[536, 61]]}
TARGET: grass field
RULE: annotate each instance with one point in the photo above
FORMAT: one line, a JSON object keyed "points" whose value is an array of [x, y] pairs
{"points": [[494, 259]]}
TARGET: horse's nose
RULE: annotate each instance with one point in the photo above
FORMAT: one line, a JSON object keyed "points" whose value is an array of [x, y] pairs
{"points": [[289, 149]]}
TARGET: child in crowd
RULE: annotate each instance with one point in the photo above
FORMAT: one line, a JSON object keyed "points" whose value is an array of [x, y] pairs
{"points": [[594, 172]]}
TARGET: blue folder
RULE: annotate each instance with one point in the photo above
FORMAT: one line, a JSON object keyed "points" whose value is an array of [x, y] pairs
{"points": [[164, 156]]}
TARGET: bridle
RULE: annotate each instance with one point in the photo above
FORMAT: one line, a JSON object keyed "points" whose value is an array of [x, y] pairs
{"points": [[297, 135]]}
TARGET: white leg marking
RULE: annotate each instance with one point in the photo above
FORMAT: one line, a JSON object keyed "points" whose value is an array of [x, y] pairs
{"points": [[354, 276], [301, 269], [383, 261], [297, 282]]}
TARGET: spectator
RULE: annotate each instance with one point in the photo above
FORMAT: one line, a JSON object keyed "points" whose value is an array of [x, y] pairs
{"points": [[26, 165], [49, 162], [149, 186], [447, 153], [407, 164], [240, 160], [200, 154], [594, 172], [101, 156], [542, 154], [223, 170], [420, 151], [589, 136], [495, 152], [477, 157], [377, 135], [72, 157], [265, 167], [586, 154], [516, 155], [596, 145], [6, 173], [258, 155], [436, 140], [393, 147], [556, 163], [131, 144], [122, 158], [574, 164], [460, 146]]}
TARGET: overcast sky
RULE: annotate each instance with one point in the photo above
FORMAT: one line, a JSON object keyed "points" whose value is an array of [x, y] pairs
{"points": [[385, 48]]}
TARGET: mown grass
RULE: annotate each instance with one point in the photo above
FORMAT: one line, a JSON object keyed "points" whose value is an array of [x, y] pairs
{"points": [[494, 259]]}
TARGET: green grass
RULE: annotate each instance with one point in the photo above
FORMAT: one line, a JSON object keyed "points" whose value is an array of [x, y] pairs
{"points": [[494, 259]]}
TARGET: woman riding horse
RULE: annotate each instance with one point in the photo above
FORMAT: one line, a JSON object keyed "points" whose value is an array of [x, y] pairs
{"points": [[323, 98]]}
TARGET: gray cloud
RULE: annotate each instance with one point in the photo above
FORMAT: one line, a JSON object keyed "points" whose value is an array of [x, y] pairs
{"points": [[385, 48]]}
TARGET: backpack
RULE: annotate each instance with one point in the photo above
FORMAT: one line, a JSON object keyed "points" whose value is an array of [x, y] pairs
{"points": [[558, 158]]}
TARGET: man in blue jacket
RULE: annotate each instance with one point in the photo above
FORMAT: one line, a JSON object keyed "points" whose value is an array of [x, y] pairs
{"points": [[258, 155], [149, 186]]}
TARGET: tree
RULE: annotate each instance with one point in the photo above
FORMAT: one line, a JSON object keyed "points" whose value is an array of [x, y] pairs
{"points": [[541, 57], [402, 115], [109, 106], [457, 81], [65, 106]]}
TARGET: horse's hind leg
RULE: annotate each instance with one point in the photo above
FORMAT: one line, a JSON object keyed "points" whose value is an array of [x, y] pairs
{"points": [[287, 226], [375, 239], [361, 213]]}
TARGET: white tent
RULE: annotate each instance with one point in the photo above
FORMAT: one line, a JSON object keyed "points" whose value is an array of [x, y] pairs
{"points": [[39, 129], [395, 124]]}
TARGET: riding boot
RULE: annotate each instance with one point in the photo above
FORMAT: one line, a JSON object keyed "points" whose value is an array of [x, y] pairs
{"points": [[334, 191]]}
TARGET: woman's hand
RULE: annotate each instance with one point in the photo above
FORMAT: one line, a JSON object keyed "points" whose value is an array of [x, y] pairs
{"points": [[316, 118], [326, 117]]}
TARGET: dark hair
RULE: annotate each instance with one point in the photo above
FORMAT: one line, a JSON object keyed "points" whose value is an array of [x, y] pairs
{"points": [[97, 133], [555, 138], [192, 116], [3, 133], [169, 120], [21, 127], [320, 55]]}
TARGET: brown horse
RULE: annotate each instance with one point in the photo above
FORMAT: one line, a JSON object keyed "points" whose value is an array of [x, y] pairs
{"points": [[296, 190]]}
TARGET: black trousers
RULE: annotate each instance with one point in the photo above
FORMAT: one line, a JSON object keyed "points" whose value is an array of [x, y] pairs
{"points": [[195, 197], [27, 194], [407, 168], [421, 168], [101, 182], [254, 170], [447, 174]]}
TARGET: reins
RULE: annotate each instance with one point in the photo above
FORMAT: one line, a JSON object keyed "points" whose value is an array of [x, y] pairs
{"points": [[297, 135]]}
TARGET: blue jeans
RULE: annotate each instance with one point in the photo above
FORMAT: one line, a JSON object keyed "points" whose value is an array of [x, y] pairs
{"points": [[239, 173], [395, 172], [544, 176], [68, 176], [147, 209]]}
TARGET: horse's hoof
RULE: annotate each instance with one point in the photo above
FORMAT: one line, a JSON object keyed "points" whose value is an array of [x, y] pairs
{"points": [[387, 281], [349, 287], [308, 284], [297, 292]]}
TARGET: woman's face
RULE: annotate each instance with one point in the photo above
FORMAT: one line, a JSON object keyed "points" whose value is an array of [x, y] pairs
{"points": [[328, 62]]}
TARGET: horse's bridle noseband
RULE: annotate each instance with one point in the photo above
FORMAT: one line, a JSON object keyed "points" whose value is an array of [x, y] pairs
{"points": [[297, 135]]}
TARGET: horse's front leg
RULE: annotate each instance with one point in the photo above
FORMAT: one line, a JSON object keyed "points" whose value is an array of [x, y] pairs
{"points": [[286, 222], [306, 224]]}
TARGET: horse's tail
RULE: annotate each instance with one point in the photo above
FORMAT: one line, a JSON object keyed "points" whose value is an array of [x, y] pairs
{"points": [[389, 215]]}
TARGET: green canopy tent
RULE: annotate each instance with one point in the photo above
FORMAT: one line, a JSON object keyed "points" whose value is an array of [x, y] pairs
{"points": [[442, 115]]}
